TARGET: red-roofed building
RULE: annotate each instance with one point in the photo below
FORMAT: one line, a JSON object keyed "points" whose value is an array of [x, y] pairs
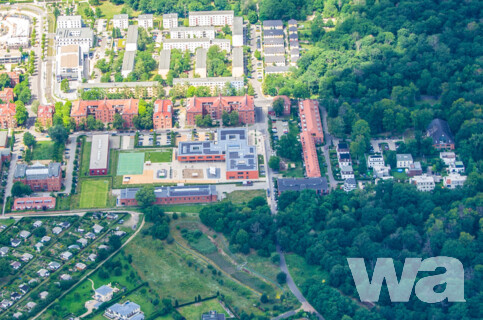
{"points": [[286, 104], [45, 115], [163, 114], [311, 161], [37, 203], [6, 95], [214, 106], [104, 110], [14, 78], [7, 115], [310, 119]]}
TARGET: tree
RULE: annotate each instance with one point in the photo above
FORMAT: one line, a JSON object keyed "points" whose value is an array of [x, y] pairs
{"points": [[19, 189], [58, 134], [4, 268], [282, 278], [234, 118], [225, 118], [145, 196], [250, 90], [118, 122], [29, 139], [64, 85], [274, 163], [39, 232], [258, 55], [264, 298], [21, 114], [4, 81], [252, 17], [35, 106], [278, 106]]}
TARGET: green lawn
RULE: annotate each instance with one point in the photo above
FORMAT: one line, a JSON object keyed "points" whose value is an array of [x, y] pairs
{"points": [[301, 271], [194, 311], [184, 208], [244, 196], [94, 193], [43, 150], [203, 245], [85, 160], [159, 156], [399, 175], [130, 163], [297, 172]]}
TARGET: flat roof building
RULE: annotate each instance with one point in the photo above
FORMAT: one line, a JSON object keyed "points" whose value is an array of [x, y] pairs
{"points": [[69, 22], [146, 21], [142, 89], [99, 162], [128, 63], [120, 21], [211, 18], [84, 37], [238, 33], [298, 184], [423, 183], [200, 63], [164, 63], [70, 63], [238, 65], [191, 44], [192, 32], [132, 38], [214, 83], [173, 194], [170, 20]]}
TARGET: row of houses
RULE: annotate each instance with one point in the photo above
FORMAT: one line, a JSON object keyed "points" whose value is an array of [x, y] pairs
{"points": [[311, 135]]}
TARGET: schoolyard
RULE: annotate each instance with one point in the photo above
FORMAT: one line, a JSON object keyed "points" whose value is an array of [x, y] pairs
{"points": [[130, 163]]}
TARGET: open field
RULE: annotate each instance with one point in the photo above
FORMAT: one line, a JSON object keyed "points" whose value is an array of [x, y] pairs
{"points": [[159, 156], [43, 150], [130, 163], [301, 271], [94, 193], [194, 311]]}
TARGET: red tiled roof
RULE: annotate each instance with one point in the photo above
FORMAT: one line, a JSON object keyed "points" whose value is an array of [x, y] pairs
{"points": [[246, 103], [7, 108], [6, 95], [161, 107], [309, 111], [45, 111], [311, 160], [129, 106]]}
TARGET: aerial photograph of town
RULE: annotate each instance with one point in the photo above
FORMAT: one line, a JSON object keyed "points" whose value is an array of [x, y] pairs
{"points": [[241, 159]]}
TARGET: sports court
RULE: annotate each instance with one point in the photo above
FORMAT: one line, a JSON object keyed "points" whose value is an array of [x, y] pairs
{"points": [[130, 163]]}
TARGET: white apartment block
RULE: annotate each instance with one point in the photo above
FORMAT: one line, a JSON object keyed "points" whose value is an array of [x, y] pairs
{"points": [[194, 43], [237, 32], [146, 21], [200, 64], [70, 63], [164, 63], [217, 83], [454, 180], [120, 21], [423, 183], [376, 160], [237, 63], [211, 18], [192, 32], [170, 20], [448, 157], [84, 37], [132, 38], [69, 22]]}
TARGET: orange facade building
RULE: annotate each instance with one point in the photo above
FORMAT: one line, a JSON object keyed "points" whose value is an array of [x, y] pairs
{"points": [[104, 110], [7, 115], [6, 95], [163, 114], [45, 115], [214, 106], [286, 104]]}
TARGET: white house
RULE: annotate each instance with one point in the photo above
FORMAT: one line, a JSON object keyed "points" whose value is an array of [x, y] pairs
{"points": [[120, 21], [423, 182], [456, 167], [350, 184], [69, 22], [66, 255], [448, 157], [375, 160], [146, 21], [125, 311], [103, 294], [170, 20], [454, 180], [346, 172], [404, 160]]}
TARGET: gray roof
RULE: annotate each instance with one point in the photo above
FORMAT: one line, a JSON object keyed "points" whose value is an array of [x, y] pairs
{"points": [[237, 25], [292, 29], [272, 33], [170, 15], [276, 69], [37, 171], [404, 157], [299, 184], [75, 33], [440, 132], [293, 37], [273, 23], [294, 44], [173, 191], [274, 59], [237, 59], [201, 58], [67, 18], [274, 41], [213, 315], [294, 52], [165, 59], [145, 17], [121, 16], [211, 13], [350, 181], [87, 86], [125, 309], [132, 34], [292, 21], [415, 166], [128, 61], [104, 290], [3, 138], [274, 50], [99, 151]]}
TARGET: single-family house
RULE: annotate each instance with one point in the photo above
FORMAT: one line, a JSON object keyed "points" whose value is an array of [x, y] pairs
{"points": [[80, 266], [66, 255], [414, 169], [126, 311], [4, 251], [43, 273], [54, 265], [43, 295], [38, 246], [346, 172], [456, 167], [5, 304], [15, 296], [15, 242], [454, 180], [343, 147], [15, 265], [448, 157], [45, 239], [345, 159], [24, 234], [24, 288], [103, 294], [65, 277], [90, 236], [37, 224], [30, 305], [350, 184], [26, 257], [83, 242], [97, 228], [64, 224], [92, 257], [73, 247], [56, 230], [404, 160], [376, 160], [423, 182]]}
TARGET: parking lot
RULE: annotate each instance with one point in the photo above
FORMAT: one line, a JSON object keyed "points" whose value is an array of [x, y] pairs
{"points": [[147, 140], [279, 128]]}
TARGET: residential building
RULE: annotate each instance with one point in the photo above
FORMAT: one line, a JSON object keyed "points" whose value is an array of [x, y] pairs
{"points": [[192, 44], [238, 33], [292, 30], [238, 65], [275, 61], [274, 51], [43, 273], [344, 159], [99, 162], [120, 21], [382, 172], [346, 172], [45, 115], [146, 21], [24, 234], [376, 160], [273, 42], [83, 37], [143, 89], [275, 33], [216, 84], [65, 277], [14, 77], [423, 182], [128, 63], [39, 177], [200, 62], [454, 180], [293, 37], [292, 23], [350, 184], [211, 18], [69, 22], [213, 315], [231, 146], [456, 167], [172, 195], [37, 224], [319, 185], [15, 242], [448, 157], [287, 104], [70, 63], [53, 265], [35, 203], [103, 293], [170, 20], [404, 160], [6, 95], [97, 228], [56, 230], [80, 266], [66, 255], [26, 257], [164, 63], [294, 44], [342, 147], [272, 25], [310, 119], [163, 114], [4, 143], [7, 115], [439, 131], [192, 32], [4, 251], [10, 57], [311, 161], [43, 295], [276, 70], [214, 106], [414, 169], [104, 110], [132, 38]]}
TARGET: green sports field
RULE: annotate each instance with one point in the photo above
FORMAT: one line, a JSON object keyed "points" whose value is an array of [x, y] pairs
{"points": [[130, 163], [94, 193]]}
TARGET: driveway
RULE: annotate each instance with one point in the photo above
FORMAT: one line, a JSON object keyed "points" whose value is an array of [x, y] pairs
{"points": [[69, 168]]}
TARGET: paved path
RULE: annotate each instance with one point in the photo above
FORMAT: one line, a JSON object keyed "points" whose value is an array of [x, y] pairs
{"points": [[329, 140]]}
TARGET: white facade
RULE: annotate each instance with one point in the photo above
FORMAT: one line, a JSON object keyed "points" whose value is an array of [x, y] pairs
{"points": [[146, 21], [237, 32], [454, 180], [211, 18], [456, 167], [84, 37], [70, 63], [375, 161], [404, 160], [120, 21], [448, 157], [423, 183], [346, 172], [69, 22], [192, 32], [192, 44], [213, 83], [350, 184], [170, 20]]}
